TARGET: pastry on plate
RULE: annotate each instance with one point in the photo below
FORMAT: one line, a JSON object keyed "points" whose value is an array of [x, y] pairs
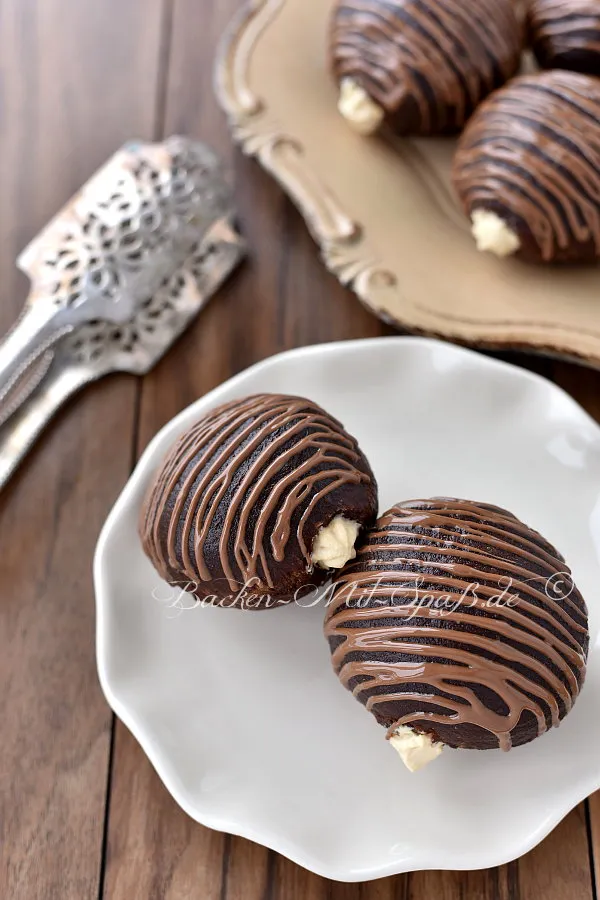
{"points": [[527, 169], [420, 66], [457, 625], [260, 499]]}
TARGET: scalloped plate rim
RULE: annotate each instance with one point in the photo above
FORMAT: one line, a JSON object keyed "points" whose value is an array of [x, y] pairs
{"points": [[421, 861]]}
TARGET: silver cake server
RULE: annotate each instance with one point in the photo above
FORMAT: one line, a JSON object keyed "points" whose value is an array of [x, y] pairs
{"points": [[116, 277]]}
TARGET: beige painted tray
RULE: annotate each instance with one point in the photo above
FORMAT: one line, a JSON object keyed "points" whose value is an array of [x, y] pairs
{"points": [[384, 216]]}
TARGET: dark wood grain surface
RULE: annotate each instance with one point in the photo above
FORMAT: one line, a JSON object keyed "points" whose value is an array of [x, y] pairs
{"points": [[83, 814]]}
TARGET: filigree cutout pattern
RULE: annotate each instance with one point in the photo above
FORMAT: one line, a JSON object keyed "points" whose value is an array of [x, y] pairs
{"points": [[159, 314], [131, 226]]}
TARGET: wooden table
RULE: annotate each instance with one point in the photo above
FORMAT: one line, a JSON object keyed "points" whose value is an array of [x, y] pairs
{"points": [[84, 814]]}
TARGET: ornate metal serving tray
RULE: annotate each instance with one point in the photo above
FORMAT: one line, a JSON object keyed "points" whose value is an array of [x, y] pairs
{"points": [[383, 214]]}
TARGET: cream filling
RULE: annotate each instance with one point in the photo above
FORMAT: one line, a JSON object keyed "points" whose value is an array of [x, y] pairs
{"points": [[416, 750], [359, 110], [492, 234], [334, 544]]}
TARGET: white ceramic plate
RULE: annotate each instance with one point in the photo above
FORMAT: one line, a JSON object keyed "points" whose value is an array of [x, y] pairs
{"points": [[240, 713]]}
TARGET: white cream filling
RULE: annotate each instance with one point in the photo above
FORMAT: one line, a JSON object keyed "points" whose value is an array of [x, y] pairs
{"points": [[359, 110], [492, 234], [416, 750], [334, 544]]}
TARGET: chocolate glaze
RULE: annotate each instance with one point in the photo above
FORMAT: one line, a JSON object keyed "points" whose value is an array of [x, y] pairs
{"points": [[565, 34], [242, 494], [531, 153], [496, 652], [427, 63]]}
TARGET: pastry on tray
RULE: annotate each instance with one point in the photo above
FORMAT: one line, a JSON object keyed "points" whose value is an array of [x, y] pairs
{"points": [[457, 625], [420, 66], [565, 34], [260, 499], [527, 169]]}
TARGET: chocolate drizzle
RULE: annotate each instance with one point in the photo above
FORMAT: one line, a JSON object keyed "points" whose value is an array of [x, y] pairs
{"points": [[241, 496], [566, 35], [427, 63], [531, 154], [458, 620]]}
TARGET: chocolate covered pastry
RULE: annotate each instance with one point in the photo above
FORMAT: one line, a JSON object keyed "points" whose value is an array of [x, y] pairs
{"points": [[420, 66], [527, 169], [458, 625], [259, 499], [565, 34]]}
